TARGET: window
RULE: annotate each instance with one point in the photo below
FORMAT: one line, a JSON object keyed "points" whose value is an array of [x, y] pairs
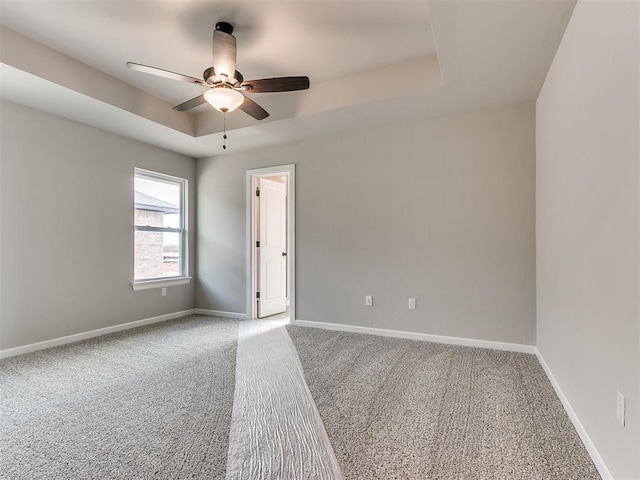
{"points": [[160, 230]]}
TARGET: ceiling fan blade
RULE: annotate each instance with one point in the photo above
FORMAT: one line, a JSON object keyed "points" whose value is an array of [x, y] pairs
{"points": [[189, 104], [224, 50], [165, 73], [279, 84], [252, 108]]}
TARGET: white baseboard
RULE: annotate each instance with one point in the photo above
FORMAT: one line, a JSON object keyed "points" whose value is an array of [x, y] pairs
{"points": [[467, 342], [76, 337], [219, 313], [573, 416]]}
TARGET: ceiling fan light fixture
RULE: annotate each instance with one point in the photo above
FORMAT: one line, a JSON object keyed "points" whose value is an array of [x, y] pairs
{"points": [[224, 99]]}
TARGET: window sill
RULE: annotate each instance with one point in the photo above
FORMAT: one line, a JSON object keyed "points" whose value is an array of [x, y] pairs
{"points": [[169, 282]]}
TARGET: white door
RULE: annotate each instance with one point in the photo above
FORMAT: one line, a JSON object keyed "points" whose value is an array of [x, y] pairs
{"points": [[272, 232]]}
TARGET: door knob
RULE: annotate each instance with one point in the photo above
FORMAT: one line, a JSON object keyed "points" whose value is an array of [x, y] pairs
{"points": [[284, 254]]}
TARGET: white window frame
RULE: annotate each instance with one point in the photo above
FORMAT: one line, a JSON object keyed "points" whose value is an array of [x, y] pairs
{"points": [[183, 278]]}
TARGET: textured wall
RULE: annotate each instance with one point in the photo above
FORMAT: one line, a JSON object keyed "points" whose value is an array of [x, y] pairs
{"points": [[66, 237], [440, 210], [587, 204]]}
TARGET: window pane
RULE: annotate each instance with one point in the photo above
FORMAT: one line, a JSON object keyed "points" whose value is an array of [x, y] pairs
{"points": [[157, 203], [157, 255]]}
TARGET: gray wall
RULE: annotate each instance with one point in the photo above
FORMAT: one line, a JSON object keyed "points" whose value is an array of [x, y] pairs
{"points": [[441, 210], [587, 224], [66, 237]]}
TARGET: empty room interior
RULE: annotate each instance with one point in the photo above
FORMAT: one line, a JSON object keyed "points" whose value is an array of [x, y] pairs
{"points": [[391, 239]]}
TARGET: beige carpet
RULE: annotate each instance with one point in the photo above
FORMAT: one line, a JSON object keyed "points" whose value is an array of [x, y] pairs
{"points": [[403, 409], [152, 403], [157, 403]]}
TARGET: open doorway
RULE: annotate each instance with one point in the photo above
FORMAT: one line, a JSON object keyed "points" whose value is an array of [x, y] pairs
{"points": [[270, 242]]}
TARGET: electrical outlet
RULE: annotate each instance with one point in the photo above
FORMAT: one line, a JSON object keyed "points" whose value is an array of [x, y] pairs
{"points": [[368, 301], [620, 408], [164, 291], [412, 304]]}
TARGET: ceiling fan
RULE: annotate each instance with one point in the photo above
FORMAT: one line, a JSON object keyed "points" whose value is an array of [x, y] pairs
{"points": [[225, 86]]}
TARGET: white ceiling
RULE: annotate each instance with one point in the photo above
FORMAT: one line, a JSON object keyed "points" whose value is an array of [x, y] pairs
{"points": [[370, 62], [324, 40]]}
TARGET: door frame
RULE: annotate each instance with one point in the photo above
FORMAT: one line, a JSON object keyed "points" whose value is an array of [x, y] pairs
{"points": [[252, 267]]}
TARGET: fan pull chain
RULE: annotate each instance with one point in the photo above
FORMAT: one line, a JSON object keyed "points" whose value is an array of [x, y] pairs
{"points": [[224, 135]]}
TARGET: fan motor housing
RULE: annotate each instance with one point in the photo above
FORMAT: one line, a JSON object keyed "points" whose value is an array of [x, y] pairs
{"points": [[211, 78]]}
